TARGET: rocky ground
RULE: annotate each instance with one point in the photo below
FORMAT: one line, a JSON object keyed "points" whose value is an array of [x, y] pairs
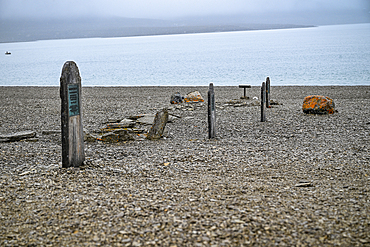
{"points": [[297, 179]]}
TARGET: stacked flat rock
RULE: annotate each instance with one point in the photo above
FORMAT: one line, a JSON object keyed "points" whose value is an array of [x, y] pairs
{"points": [[116, 136], [318, 104]]}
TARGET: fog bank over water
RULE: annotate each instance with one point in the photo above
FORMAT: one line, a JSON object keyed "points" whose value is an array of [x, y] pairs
{"points": [[169, 9], [45, 19], [32, 30]]}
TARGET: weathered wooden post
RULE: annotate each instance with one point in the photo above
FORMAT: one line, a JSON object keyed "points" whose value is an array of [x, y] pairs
{"points": [[263, 100], [268, 92], [211, 112], [157, 129], [73, 154]]}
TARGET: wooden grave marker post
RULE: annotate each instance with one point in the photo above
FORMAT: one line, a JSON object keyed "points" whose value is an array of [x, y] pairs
{"points": [[73, 154], [159, 124], [211, 112], [268, 92], [263, 100]]}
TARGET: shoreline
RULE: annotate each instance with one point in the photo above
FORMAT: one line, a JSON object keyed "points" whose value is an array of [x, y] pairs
{"points": [[226, 28], [159, 31], [295, 179], [185, 86]]}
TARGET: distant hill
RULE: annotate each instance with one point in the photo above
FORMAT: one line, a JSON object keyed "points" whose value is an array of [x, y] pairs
{"points": [[15, 30], [31, 30]]}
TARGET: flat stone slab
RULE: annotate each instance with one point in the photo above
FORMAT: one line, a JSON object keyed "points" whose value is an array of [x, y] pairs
{"points": [[125, 123], [146, 119], [116, 136], [17, 136]]}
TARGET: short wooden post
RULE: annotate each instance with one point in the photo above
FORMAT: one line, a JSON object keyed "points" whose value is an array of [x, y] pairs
{"points": [[263, 100], [268, 92], [157, 129], [73, 154], [211, 112]]}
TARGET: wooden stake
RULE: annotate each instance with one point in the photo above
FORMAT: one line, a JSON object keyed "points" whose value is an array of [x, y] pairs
{"points": [[73, 154], [211, 112], [268, 92], [157, 129], [263, 100]]}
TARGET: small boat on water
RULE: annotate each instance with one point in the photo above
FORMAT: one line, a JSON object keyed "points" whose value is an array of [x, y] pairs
{"points": [[8, 53]]}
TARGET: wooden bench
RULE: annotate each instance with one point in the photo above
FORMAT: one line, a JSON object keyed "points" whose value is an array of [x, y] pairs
{"points": [[245, 90]]}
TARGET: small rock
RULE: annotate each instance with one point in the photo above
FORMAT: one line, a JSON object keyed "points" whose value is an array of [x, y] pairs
{"points": [[194, 97], [113, 120], [304, 184], [274, 102], [116, 136], [172, 118], [176, 98], [25, 173], [123, 135], [237, 221], [109, 137], [240, 105]]}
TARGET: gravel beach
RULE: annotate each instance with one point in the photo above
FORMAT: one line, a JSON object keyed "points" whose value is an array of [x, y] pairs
{"points": [[294, 180]]}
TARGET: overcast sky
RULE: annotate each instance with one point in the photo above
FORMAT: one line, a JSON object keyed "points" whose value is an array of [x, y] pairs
{"points": [[164, 9]]}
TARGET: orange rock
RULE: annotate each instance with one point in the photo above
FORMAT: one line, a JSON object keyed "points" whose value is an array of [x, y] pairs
{"points": [[194, 97], [318, 104]]}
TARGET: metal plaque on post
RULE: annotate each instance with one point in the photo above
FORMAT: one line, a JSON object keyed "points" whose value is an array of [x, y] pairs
{"points": [[73, 154]]}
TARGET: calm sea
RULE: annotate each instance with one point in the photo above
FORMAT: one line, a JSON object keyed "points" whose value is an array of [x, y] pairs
{"points": [[325, 55]]}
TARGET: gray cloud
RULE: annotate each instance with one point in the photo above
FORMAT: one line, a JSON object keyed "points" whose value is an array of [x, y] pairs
{"points": [[166, 8]]}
